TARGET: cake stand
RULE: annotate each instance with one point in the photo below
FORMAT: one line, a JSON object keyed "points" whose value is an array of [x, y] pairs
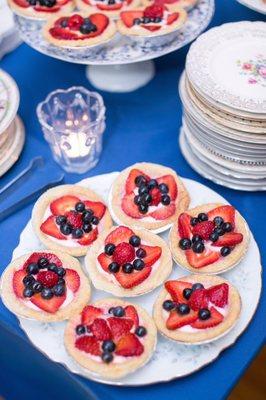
{"points": [[120, 65]]}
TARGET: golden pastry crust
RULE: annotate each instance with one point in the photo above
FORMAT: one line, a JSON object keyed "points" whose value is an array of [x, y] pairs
{"points": [[113, 370], [100, 279], [205, 335], [43, 203], [31, 13], [137, 30], [112, 13], [186, 4], [223, 264], [182, 201], [17, 306], [105, 36]]}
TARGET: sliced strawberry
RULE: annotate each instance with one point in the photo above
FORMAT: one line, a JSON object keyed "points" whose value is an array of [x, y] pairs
{"points": [[88, 238], [229, 239], [51, 306], [176, 288], [47, 9], [218, 294], [151, 28], [22, 3], [18, 285], [201, 260], [134, 173], [198, 299], [204, 229], [74, 218], [128, 281], [226, 212], [171, 183], [156, 196], [50, 228], [89, 314], [97, 207], [215, 319], [119, 326], [184, 228], [129, 346], [124, 253], [104, 261], [72, 280], [119, 235], [63, 204], [163, 212], [131, 313], [88, 344], [63, 34], [154, 11], [172, 18], [153, 253], [107, 7], [129, 207], [47, 278], [176, 320], [100, 329], [101, 21], [128, 19], [34, 257]]}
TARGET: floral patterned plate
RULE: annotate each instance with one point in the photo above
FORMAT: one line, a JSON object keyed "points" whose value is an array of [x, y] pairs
{"points": [[170, 360]]}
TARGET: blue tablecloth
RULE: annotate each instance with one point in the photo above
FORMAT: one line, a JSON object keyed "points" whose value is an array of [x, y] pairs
{"points": [[142, 125]]}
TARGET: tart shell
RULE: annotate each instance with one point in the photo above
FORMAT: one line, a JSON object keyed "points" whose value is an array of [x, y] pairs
{"points": [[100, 281], [16, 306], [31, 13], [182, 201], [112, 370], [44, 201], [112, 13], [224, 263], [204, 335]]}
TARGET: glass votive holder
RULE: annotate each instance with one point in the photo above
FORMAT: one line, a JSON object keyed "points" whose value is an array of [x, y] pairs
{"points": [[73, 122]]}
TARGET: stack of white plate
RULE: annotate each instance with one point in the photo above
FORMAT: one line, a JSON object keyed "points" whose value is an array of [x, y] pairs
{"points": [[223, 91], [11, 128]]}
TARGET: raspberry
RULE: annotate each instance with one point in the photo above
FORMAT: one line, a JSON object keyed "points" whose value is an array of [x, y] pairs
{"points": [[156, 196], [74, 219], [124, 253], [75, 21], [198, 299], [47, 278], [154, 11], [204, 229]]}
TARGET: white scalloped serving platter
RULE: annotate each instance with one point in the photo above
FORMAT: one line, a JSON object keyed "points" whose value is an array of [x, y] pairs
{"points": [[170, 360]]}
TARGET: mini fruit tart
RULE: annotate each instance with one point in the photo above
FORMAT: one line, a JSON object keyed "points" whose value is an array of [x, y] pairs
{"points": [[186, 4], [128, 262], [40, 9], [209, 239], [46, 286], [112, 8], [154, 20], [148, 196], [196, 308], [69, 218], [111, 338], [79, 30]]}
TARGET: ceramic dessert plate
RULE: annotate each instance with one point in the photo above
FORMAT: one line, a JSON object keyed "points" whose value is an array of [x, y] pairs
{"points": [[170, 359]]}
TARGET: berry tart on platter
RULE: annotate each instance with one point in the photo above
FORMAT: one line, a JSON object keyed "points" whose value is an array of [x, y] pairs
{"points": [[69, 218], [112, 8], [40, 9], [82, 29], [186, 4], [209, 239], [148, 196], [197, 309], [153, 21], [111, 338], [45, 285], [127, 262]]}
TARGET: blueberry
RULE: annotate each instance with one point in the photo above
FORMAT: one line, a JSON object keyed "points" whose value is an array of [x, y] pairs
{"points": [[111, 310], [119, 311], [61, 281], [80, 207], [225, 251], [143, 190], [138, 264], [134, 240], [152, 184], [143, 209], [204, 314], [187, 293], [194, 221], [43, 262], [87, 228], [95, 220], [52, 267], [28, 292], [64, 22], [108, 346], [77, 233], [109, 249], [61, 271], [137, 21], [127, 268], [141, 253], [165, 199], [168, 305], [196, 238], [197, 286], [59, 290], [61, 219], [227, 227], [28, 280], [218, 221], [140, 180], [113, 267], [87, 216], [157, 19], [107, 357], [214, 236], [183, 308], [219, 230], [32, 2], [184, 243], [80, 329], [146, 199], [37, 287], [66, 229], [163, 188], [146, 20], [85, 29], [32, 268], [137, 200], [46, 293], [198, 247], [202, 217], [141, 331]]}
